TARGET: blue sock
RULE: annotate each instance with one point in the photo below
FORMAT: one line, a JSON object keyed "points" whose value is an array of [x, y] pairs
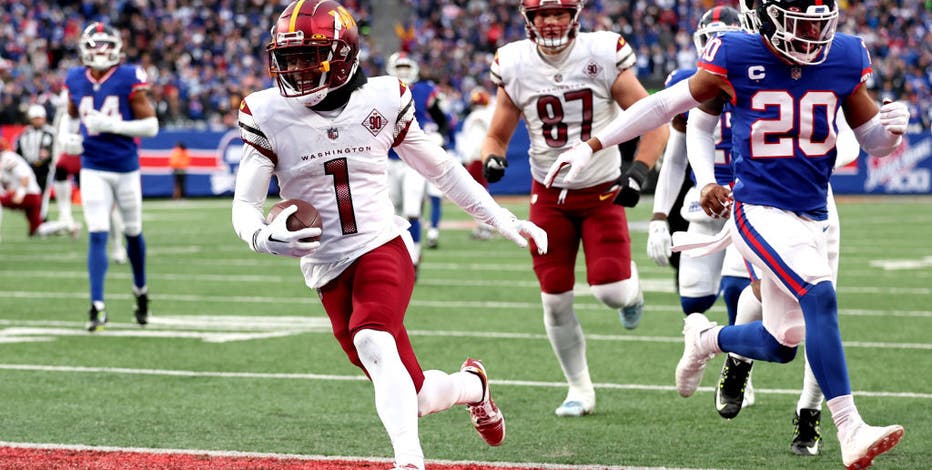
{"points": [[753, 341], [97, 264], [731, 290], [697, 304], [415, 230], [136, 251], [823, 340], [435, 211]]}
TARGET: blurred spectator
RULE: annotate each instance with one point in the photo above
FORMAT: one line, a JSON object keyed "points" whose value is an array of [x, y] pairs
{"points": [[179, 160]]}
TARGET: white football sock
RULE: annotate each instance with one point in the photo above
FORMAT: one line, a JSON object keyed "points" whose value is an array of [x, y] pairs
{"points": [[844, 414], [749, 310], [811, 396], [395, 398], [440, 391], [569, 344], [63, 199]]}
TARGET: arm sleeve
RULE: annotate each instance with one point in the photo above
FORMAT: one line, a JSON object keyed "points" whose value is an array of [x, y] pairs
{"points": [[430, 160], [846, 144], [252, 186], [648, 114], [672, 172], [699, 138], [146, 127], [876, 140]]}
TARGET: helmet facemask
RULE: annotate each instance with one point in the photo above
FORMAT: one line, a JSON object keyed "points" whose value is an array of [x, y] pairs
{"points": [[401, 66], [553, 36], [100, 48], [749, 20], [802, 37], [306, 70]]}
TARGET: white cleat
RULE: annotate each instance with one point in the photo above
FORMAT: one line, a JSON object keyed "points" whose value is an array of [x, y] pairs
{"points": [[691, 366], [864, 443], [749, 399], [119, 256], [573, 409]]}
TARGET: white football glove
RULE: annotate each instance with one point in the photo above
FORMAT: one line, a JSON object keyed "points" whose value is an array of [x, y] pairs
{"points": [[894, 116], [659, 244], [72, 144], [520, 231], [276, 239], [97, 122], [576, 158]]}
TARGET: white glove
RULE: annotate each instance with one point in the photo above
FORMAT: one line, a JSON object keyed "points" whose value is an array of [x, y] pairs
{"points": [[520, 231], [894, 116], [97, 122], [276, 239], [576, 158], [659, 244], [72, 144]]}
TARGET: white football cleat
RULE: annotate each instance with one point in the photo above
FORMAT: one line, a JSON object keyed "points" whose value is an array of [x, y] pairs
{"points": [[864, 443], [691, 366], [573, 409]]}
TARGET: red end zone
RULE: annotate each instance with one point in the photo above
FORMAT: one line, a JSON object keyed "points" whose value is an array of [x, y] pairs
{"points": [[91, 459]]}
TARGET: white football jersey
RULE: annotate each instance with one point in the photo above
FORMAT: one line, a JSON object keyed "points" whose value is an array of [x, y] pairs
{"points": [[566, 101], [13, 168], [339, 164]]}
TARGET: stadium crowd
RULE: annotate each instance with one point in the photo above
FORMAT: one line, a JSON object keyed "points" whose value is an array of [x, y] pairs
{"points": [[204, 56]]}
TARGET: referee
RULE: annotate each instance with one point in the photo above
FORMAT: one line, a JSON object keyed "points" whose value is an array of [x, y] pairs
{"points": [[35, 144]]}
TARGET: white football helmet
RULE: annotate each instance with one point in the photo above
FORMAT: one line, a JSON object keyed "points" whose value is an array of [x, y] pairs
{"points": [[403, 67], [100, 46]]}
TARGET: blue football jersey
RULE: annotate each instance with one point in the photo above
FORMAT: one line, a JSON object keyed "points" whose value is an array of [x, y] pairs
{"points": [[724, 173], [783, 117], [423, 93], [110, 95]]}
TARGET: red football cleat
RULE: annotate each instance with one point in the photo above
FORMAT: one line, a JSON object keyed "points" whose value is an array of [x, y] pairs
{"points": [[486, 417]]}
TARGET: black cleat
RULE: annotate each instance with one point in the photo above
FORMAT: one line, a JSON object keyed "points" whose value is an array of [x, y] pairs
{"points": [[807, 433], [96, 319], [729, 395], [142, 309]]}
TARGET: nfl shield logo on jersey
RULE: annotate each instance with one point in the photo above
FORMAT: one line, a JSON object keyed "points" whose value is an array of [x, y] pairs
{"points": [[333, 133], [796, 73]]}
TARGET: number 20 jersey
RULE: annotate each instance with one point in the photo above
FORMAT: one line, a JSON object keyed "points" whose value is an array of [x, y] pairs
{"points": [[783, 124], [567, 102]]}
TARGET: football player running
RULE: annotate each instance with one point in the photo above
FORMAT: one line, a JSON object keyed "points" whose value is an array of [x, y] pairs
{"points": [[568, 85], [702, 278], [108, 109], [325, 132], [785, 86]]}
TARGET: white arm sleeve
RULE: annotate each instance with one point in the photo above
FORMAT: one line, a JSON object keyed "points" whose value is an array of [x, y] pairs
{"points": [[700, 141], [252, 187], [648, 114], [846, 144], [147, 127], [672, 172], [876, 140], [68, 125], [430, 160]]}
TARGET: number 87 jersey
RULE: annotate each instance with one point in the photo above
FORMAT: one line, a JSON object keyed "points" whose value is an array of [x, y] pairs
{"points": [[783, 120]]}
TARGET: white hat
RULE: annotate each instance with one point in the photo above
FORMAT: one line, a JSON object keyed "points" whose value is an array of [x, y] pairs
{"points": [[36, 111]]}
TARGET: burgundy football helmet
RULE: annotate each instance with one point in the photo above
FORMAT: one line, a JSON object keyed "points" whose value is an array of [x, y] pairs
{"points": [[554, 37], [314, 49]]}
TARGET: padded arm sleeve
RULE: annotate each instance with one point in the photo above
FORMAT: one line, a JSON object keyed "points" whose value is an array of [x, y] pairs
{"points": [[876, 140], [672, 172], [430, 160], [648, 114], [147, 127], [252, 186], [700, 141], [846, 144]]}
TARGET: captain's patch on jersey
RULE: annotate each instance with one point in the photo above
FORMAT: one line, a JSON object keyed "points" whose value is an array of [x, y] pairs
{"points": [[375, 122]]}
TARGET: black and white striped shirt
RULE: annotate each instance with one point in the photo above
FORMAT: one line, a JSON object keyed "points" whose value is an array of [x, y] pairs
{"points": [[35, 144]]}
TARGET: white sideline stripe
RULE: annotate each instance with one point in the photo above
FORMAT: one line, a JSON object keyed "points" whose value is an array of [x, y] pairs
{"points": [[266, 455], [362, 378], [452, 304]]}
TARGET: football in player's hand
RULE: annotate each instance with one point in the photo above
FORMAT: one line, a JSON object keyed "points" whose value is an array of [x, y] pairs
{"points": [[306, 216]]}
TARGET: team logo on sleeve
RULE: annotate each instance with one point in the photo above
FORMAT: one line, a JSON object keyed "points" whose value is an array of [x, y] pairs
{"points": [[592, 70], [374, 122]]}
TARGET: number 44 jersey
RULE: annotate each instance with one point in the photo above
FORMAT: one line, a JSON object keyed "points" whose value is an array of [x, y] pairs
{"points": [[566, 98], [783, 122]]}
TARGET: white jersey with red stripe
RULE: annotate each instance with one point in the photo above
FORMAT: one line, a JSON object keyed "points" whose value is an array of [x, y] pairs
{"points": [[13, 169], [565, 99], [338, 164]]}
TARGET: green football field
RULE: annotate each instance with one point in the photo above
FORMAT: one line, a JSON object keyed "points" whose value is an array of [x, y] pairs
{"points": [[239, 356]]}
